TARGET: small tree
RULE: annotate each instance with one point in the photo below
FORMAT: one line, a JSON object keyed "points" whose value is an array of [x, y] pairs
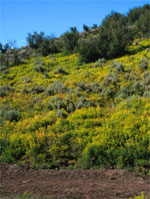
{"points": [[139, 20], [133, 15], [94, 26], [48, 46], [70, 40], [6, 54], [85, 28], [114, 36], [42, 43], [9, 54], [143, 24], [1, 47], [34, 40], [88, 49]]}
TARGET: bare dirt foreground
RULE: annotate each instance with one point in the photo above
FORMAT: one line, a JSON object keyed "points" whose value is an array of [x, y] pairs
{"points": [[71, 184]]}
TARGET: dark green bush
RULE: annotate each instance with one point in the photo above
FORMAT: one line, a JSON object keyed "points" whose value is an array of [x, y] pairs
{"points": [[134, 15], [48, 46], [70, 40], [34, 40], [12, 152], [143, 23], [4, 69], [138, 19], [85, 28], [43, 44], [88, 49], [114, 36]]}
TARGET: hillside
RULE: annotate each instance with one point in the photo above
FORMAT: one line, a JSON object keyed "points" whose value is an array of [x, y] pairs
{"points": [[58, 112]]}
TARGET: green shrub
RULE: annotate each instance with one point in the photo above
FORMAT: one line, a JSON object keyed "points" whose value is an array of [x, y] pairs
{"points": [[57, 103], [108, 79], [138, 19], [114, 36], [42, 44], [3, 67], [99, 62], [138, 88], [61, 113], [70, 107], [50, 90], [107, 92], [39, 68], [125, 91], [85, 28], [59, 87], [38, 89], [61, 104], [6, 113], [13, 151], [88, 49], [12, 115], [82, 102], [143, 65], [70, 40], [142, 23], [5, 90], [48, 46], [60, 70], [147, 93], [119, 67], [37, 61], [81, 86], [34, 40], [94, 88]]}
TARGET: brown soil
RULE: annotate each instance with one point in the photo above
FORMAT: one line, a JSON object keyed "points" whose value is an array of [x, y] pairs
{"points": [[72, 184]]}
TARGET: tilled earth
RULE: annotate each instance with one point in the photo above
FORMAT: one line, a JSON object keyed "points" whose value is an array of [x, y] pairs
{"points": [[72, 184]]}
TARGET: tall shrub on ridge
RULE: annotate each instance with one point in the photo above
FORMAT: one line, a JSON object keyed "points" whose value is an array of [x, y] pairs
{"points": [[70, 40], [114, 36]]}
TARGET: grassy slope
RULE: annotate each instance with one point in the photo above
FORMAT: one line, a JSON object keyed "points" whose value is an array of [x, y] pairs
{"points": [[89, 117]]}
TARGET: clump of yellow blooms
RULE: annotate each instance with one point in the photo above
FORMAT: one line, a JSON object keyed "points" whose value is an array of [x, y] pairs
{"points": [[101, 119], [141, 197]]}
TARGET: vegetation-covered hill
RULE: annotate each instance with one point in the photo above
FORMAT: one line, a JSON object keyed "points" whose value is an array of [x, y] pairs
{"points": [[57, 111]]}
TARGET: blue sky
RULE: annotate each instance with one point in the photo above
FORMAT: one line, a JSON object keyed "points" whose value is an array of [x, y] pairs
{"points": [[19, 17]]}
